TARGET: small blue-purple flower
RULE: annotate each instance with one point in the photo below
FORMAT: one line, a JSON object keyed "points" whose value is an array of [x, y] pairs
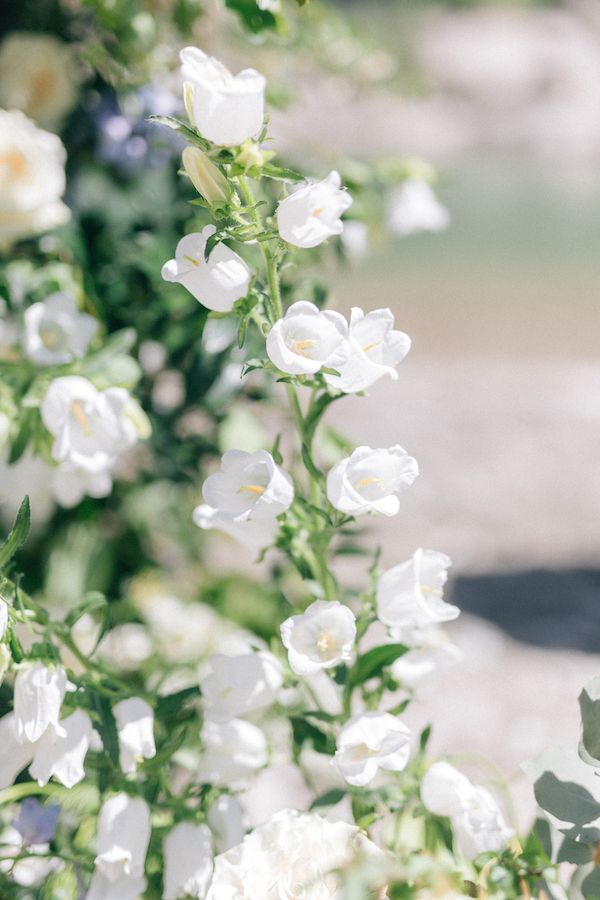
{"points": [[36, 823]]}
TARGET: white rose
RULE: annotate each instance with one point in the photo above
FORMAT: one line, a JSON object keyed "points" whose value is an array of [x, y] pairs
{"points": [[233, 751], [411, 593], [39, 693], [37, 76], [371, 741], [375, 350], [414, 207], [90, 427], [368, 480], [226, 109], [123, 838], [306, 339], [238, 685], [321, 637], [312, 213], [217, 282], [32, 179], [56, 332], [188, 866], [293, 855], [135, 728], [250, 486]]}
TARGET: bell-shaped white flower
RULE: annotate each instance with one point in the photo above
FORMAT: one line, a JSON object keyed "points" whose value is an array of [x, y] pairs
{"points": [[226, 109], [14, 754], [250, 486], [414, 207], [238, 685], [430, 651], [312, 213], [248, 532], [233, 751], [369, 742], [39, 693], [477, 821], [5, 658], [411, 593], [3, 617], [123, 838], [375, 350], [368, 480], [91, 428], [188, 861], [216, 282], [71, 484], [306, 339], [226, 823], [55, 331], [63, 756], [321, 637], [135, 727]]}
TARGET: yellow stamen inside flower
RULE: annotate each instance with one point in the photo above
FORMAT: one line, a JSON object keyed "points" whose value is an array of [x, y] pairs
{"points": [[362, 751], [15, 162], [300, 347], [252, 489], [42, 86], [370, 346], [367, 482], [78, 412], [324, 643], [194, 262], [318, 211]]}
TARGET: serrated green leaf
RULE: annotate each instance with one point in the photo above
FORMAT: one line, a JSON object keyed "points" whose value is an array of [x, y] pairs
{"points": [[17, 535]]}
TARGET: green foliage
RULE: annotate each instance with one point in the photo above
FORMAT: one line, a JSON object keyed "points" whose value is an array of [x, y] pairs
{"points": [[17, 535]]}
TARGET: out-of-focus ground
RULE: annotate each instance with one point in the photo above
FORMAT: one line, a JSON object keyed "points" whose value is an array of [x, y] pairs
{"points": [[499, 399]]}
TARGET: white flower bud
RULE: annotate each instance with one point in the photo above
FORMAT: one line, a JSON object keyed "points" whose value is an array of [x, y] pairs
{"points": [[39, 693], [135, 727], [206, 177], [123, 838]]}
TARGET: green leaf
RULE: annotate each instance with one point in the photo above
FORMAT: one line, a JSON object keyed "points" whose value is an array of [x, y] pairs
{"points": [[252, 365], [253, 18], [190, 134], [281, 173], [589, 704], [211, 243], [169, 708], [310, 465], [107, 728], [303, 731], [17, 536], [330, 798], [568, 791], [92, 600], [372, 663]]}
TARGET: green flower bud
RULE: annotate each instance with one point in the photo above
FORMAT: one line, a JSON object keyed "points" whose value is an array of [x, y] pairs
{"points": [[207, 178]]}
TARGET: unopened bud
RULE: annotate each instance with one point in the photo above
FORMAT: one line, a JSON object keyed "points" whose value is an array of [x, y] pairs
{"points": [[251, 155], [188, 100], [207, 178]]}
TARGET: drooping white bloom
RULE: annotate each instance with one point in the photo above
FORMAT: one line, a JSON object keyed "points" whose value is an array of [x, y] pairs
{"points": [[250, 486], [242, 684], [430, 650], [14, 754], [225, 820], [188, 861], [414, 207], [375, 350], [37, 76], [306, 339], [248, 532], [233, 751], [411, 593], [63, 756], [91, 428], [312, 213], [321, 637], [476, 818], [368, 480], [55, 331], [32, 179], [217, 282], [3, 617], [135, 727], [123, 837], [293, 855], [226, 109], [38, 697], [71, 484], [371, 741]]}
